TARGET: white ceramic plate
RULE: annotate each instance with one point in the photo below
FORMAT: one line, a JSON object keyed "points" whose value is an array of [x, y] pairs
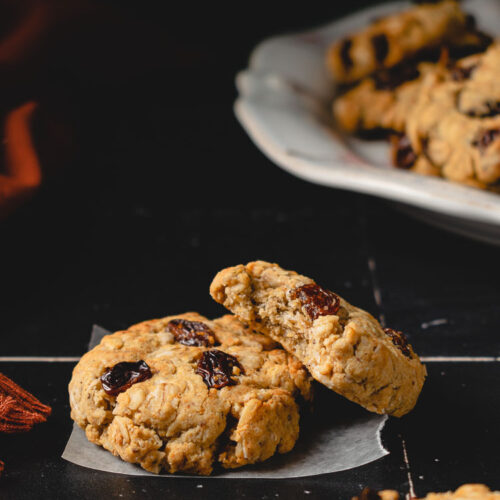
{"points": [[284, 105]]}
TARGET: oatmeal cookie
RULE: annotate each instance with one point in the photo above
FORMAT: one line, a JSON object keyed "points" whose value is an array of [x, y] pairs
{"points": [[343, 347], [181, 392], [395, 38], [455, 124], [382, 101], [465, 492]]}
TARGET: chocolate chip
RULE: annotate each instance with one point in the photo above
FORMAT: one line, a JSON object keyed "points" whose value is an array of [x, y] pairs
{"points": [[316, 300], [486, 138], [381, 47], [403, 155], [345, 53], [191, 333], [399, 340], [216, 368], [123, 375]]}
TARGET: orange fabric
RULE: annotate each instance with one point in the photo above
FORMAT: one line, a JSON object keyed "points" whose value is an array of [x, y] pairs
{"points": [[19, 410], [23, 173]]}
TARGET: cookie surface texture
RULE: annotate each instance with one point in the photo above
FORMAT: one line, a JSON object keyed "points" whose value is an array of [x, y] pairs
{"points": [[343, 347], [184, 392]]}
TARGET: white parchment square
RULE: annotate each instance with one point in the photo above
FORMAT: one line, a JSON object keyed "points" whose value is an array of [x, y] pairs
{"points": [[337, 436]]}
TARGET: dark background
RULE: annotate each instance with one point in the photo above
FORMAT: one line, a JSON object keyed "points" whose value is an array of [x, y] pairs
{"points": [[151, 186]]}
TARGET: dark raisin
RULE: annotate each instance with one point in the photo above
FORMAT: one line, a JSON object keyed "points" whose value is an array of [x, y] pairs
{"points": [[399, 340], [459, 74], [482, 42], [486, 138], [316, 300], [191, 333], [389, 79], [490, 109], [216, 368], [345, 53], [123, 375], [381, 47], [470, 22], [368, 494], [403, 155]]}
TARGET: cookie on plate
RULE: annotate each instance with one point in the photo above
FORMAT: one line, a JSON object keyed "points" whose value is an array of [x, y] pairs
{"points": [[395, 38], [343, 347], [454, 125], [183, 392], [465, 492], [382, 102]]}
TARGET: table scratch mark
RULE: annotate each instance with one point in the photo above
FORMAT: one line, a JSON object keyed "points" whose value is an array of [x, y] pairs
{"points": [[411, 493], [40, 359], [434, 322], [459, 359], [377, 293]]}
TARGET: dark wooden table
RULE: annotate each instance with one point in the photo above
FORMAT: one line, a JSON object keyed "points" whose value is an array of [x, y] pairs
{"points": [[163, 189]]}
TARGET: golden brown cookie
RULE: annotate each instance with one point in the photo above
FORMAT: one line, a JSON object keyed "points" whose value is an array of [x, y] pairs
{"points": [[395, 38], [382, 103], [454, 125], [343, 347], [182, 392]]}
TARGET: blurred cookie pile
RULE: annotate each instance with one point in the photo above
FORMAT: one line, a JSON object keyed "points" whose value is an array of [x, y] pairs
{"points": [[427, 80]]}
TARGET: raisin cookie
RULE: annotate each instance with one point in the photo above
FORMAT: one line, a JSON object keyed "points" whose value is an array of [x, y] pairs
{"points": [[382, 101], [343, 347], [465, 492], [395, 38], [455, 124], [182, 392]]}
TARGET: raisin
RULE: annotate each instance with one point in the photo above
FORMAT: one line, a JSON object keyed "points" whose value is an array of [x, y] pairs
{"points": [[192, 333], [216, 368], [486, 138], [470, 22], [403, 155], [316, 300], [345, 53], [389, 79], [381, 47], [399, 340], [490, 109], [123, 375], [459, 74]]}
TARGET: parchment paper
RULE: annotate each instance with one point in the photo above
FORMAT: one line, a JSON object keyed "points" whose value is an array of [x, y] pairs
{"points": [[337, 436]]}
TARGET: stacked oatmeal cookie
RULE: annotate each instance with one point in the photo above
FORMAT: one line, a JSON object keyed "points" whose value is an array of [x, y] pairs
{"points": [[428, 80], [182, 393]]}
